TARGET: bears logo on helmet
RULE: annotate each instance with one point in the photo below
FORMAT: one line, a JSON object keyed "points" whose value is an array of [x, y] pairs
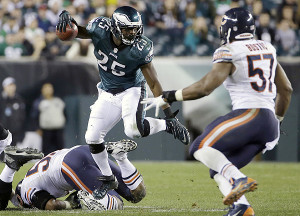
{"points": [[237, 24]]}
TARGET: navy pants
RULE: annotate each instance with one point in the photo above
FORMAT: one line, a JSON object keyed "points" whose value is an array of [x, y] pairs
{"points": [[82, 165], [239, 135]]}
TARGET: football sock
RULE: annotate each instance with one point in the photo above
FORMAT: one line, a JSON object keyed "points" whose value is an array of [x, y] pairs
{"points": [[223, 184], [130, 175], [101, 160], [230, 171], [156, 125], [217, 161], [110, 202], [7, 174]]}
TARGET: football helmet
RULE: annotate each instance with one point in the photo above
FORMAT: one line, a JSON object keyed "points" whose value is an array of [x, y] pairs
{"points": [[236, 24], [130, 20]]}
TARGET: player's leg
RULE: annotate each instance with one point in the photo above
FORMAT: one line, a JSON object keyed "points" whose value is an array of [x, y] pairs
{"points": [[5, 138], [14, 159], [83, 175], [105, 113], [231, 133], [131, 184], [137, 125]]}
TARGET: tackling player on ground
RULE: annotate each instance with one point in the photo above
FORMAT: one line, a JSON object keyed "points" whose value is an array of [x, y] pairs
{"points": [[249, 70], [124, 57], [57, 174]]}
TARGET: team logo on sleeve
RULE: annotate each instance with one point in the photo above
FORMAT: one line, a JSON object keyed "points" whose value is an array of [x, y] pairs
{"points": [[149, 57], [222, 55]]}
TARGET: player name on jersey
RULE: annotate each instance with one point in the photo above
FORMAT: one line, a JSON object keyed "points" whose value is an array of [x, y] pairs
{"points": [[256, 47]]}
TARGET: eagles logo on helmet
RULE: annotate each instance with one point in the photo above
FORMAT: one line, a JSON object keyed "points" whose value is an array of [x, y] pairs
{"points": [[126, 18], [237, 24]]}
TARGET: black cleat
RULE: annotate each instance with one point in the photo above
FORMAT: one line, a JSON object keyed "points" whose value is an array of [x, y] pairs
{"points": [[108, 183], [178, 130], [15, 158]]}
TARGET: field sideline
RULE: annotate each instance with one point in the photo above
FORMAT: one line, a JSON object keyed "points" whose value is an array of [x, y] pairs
{"points": [[184, 188]]}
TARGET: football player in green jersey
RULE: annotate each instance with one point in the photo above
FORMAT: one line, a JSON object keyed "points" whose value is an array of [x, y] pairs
{"points": [[124, 58]]}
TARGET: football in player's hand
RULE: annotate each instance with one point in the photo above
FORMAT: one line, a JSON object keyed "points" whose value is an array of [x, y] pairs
{"points": [[70, 33]]}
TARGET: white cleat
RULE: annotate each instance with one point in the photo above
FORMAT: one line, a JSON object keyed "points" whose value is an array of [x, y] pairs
{"points": [[89, 202], [119, 147]]}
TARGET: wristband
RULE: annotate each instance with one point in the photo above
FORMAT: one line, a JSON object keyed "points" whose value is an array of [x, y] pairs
{"points": [[178, 95]]}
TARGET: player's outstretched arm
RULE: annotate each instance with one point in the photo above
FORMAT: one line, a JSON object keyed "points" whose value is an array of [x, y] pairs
{"points": [[284, 92], [212, 80], [203, 87], [66, 19]]}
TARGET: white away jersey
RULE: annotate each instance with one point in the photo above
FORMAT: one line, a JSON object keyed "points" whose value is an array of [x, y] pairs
{"points": [[46, 175], [251, 85]]}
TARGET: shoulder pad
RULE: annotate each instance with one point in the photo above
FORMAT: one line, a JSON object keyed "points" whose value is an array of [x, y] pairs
{"points": [[145, 48], [222, 54], [99, 22]]}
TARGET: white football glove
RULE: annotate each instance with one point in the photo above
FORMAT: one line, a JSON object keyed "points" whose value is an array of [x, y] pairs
{"points": [[156, 102]]}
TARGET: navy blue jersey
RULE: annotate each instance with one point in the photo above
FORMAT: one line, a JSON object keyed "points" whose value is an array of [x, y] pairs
{"points": [[119, 67]]}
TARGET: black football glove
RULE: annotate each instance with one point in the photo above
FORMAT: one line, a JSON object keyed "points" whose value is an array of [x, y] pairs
{"points": [[64, 19], [169, 96]]}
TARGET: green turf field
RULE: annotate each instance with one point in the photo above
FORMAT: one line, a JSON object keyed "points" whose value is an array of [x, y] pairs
{"points": [[184, 188]]}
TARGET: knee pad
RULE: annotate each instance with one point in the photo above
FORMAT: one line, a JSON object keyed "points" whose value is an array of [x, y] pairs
{"points": [[96, 148]]}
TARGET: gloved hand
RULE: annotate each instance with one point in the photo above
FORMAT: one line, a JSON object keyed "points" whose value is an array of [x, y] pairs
{"points": [[156, 102], [64, 19]]}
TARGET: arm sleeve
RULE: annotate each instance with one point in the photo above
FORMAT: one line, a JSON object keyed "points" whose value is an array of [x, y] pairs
{"points": [[40, 199]]}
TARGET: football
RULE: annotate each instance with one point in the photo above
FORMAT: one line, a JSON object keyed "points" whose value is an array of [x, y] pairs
{"points": [[70, 33]]}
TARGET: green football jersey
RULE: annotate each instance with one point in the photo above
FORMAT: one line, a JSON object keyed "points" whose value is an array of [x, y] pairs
{"points": [[119, 67]]}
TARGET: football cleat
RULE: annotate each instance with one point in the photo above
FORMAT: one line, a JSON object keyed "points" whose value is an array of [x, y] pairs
{"points": [[240, 210], [15, 158], [74, 200], [108, 183], [239, 188], [119, 148], [89, 202], [178, 130]]}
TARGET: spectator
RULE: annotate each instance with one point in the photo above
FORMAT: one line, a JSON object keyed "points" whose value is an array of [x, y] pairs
{"points": [[12, 110], [196, 34], [53, 46], [55, 7], [43, 21], [11, 25], [265, 30], [17, 46], [286, 38], [80, 48], [213, 34], [51, 120]]}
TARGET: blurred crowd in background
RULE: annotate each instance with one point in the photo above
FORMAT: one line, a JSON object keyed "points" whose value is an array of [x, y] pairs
{"points": [[177, 27]]}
